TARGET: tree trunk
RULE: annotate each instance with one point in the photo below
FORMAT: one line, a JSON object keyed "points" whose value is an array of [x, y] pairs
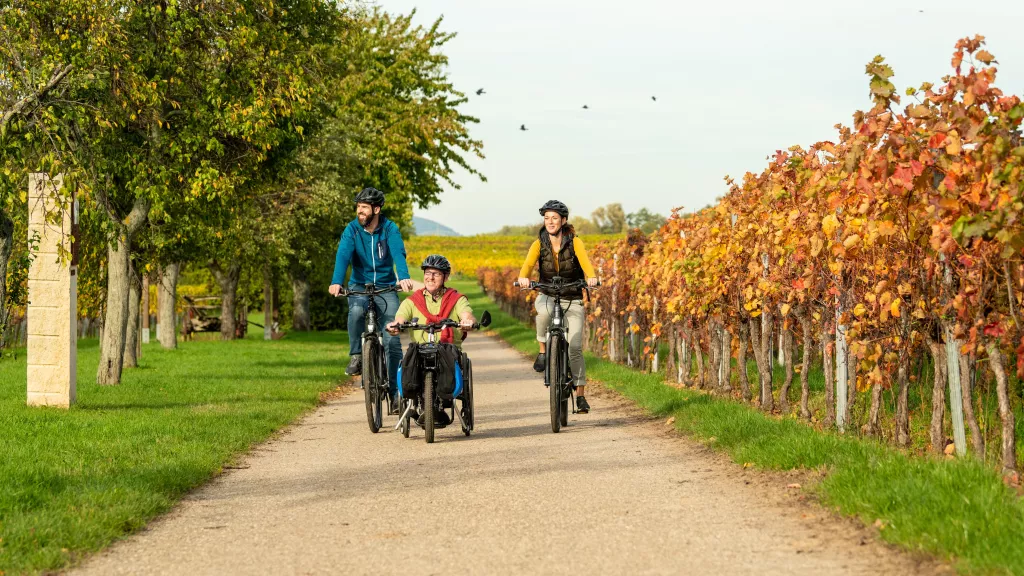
{"points": [[760, 338], [726, 359], [874, 425], [115, 325], [741, 360], [700, 363], [787, 356], [268, 304], [851, 390], [6, 245], [132, 337], [967, 390], [227, 279], [144, 309], [938, 437], [670, 358], [300, 302], [828, 348], [1009, 447], [902, 407], [167, 293], [805, 365]]}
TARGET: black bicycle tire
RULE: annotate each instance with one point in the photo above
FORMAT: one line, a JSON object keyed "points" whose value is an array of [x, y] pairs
{"points": [[406, 425], [371, 387], [555, 383], [467, 399], [566, 390], [428, 405]]}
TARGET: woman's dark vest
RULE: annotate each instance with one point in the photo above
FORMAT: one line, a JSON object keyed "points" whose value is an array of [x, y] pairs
{"points": [[568, 266]]}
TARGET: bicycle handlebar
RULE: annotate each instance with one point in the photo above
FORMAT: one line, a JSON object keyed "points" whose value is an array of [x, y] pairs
{"points": [[434, 327], [557, 286], [368, 290]]}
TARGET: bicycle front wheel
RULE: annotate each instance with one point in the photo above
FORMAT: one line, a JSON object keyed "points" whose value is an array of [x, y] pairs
{"points": [[555, 379], [372, 376], [428, 405]]}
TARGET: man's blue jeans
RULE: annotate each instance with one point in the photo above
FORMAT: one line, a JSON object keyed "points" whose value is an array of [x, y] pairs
{"points": [[387, 306]]}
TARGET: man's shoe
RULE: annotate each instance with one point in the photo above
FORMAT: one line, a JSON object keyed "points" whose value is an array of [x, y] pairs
{"points": [[355, 365], [582, 406], [540, 362], [395, 405], [442, 419]]}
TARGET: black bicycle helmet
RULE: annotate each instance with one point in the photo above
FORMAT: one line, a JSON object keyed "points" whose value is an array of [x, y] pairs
{"points": [[370, 196], [555, 206], [437, 262]]}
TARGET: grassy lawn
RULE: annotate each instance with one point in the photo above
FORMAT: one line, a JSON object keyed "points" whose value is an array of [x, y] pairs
{"points": [[957, 510], [74, 481]]}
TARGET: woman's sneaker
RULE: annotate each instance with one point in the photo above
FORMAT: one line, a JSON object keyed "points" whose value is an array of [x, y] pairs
{"points": [[582, 406], [540, 362], [355, 365]]}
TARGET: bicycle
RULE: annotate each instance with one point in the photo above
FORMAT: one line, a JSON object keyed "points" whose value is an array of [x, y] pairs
{"points": [[557, 374], [374, 378], [428, 402]]}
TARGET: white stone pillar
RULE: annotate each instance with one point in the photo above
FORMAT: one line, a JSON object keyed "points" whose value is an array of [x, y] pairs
{"points": [[53, 296]]}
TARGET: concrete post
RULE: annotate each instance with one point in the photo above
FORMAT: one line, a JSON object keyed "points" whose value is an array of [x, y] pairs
{"points": [[52, 295]]}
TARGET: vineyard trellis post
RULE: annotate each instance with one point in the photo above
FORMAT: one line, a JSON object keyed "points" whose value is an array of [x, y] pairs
{"points": [[654, 337], [614, 320], [956, 407], [841, 370]]}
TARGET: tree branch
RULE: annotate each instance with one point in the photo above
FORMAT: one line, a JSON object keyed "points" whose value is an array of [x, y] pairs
{"points": [[19, 107]]}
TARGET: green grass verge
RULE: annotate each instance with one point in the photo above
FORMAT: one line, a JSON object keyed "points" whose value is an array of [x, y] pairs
{"points": [[957, 510], [71, 482]]}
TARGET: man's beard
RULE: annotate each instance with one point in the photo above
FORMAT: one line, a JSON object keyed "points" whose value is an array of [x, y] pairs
{"points": [[364, 220]]}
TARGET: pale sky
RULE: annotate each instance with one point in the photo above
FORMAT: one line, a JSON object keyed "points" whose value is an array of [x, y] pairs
{"points": [[734, 81]]}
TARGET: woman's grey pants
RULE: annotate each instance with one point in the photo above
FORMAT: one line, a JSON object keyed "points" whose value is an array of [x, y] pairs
{"points": [[575, 316]]}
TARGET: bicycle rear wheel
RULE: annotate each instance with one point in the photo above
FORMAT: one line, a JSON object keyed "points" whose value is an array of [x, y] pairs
{"points": [[467, 399], [405, 418], [428, 405], [371, 383], [555, 379]]}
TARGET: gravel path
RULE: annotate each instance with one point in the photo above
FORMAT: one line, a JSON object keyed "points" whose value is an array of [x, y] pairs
{"points": [[614, 493]]}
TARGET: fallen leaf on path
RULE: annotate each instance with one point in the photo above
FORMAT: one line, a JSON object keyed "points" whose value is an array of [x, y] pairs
{"points": [[670, 421], [793, 485]]}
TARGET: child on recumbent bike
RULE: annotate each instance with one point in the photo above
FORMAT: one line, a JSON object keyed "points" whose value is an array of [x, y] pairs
{"points": [[436, 302]]}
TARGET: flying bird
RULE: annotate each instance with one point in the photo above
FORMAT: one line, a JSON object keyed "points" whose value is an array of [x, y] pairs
{"points": [[653, 98], [585, 107], [522, 127], [480, 92]]}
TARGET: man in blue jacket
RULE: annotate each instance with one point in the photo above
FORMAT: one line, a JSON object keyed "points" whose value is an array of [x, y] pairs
{"points": [[374, 247]]}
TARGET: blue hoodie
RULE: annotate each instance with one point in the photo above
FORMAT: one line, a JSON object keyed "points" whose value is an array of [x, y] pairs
{"points": [[374, 256]]}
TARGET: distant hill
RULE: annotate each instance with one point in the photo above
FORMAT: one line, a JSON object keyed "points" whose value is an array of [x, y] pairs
{"points": [[427, 227]]}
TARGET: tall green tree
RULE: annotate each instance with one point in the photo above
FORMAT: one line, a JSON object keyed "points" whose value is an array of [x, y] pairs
{"points": [[394, 122]]}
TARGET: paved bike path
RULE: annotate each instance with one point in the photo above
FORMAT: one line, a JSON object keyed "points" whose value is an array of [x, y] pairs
{"points": [[611, 494]]}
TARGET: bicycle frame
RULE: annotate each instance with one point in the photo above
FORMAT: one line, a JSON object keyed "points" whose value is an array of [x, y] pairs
{"points": [[557, 328], [561, 386], [428, 363], [379, 385]]}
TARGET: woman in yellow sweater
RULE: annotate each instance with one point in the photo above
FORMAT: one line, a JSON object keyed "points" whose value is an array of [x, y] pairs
{"points": [[559, 252]]}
